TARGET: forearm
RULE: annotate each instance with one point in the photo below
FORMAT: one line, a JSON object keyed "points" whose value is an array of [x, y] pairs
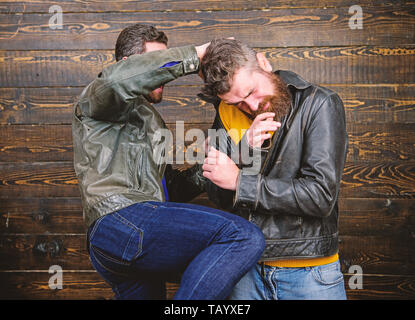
{"points": [[110, 93], [302, 197]]}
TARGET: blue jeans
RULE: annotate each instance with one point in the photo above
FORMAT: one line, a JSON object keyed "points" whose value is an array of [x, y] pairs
{"points": [[137, 249], [323, 282]]}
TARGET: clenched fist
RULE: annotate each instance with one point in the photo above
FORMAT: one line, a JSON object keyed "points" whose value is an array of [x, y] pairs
{"points": [[220, 169]]}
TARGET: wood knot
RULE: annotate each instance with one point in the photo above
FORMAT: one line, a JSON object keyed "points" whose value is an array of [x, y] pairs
{"points": [[48, 248], [41, 217]]}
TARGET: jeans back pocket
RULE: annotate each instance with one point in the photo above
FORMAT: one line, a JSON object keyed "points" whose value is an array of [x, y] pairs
{"points": [[116, 239]]}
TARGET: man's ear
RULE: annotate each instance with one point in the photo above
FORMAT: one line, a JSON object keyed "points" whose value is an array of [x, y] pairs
{"points": [[263, 62]]}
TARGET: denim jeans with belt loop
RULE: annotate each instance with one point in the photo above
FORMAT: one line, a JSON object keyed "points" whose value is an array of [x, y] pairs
{"points": [[262, 282]]}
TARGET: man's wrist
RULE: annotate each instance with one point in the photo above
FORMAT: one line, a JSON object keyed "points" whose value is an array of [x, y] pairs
{"points": [[235, 183], [246, 190]]}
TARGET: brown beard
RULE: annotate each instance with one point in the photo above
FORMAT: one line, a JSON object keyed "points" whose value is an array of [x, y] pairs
{"points": [[154, 97], [280, 101]]}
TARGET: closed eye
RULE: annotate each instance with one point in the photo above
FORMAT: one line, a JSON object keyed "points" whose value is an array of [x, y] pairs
{"points": [[239, 102], [250, 92]]}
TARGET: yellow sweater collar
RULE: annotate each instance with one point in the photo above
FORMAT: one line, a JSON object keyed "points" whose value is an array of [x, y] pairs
{"points": [[234, 120]]}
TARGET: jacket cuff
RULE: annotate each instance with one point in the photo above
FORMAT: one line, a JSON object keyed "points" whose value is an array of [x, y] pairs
{"points": [[191, 61], [246, 190]]}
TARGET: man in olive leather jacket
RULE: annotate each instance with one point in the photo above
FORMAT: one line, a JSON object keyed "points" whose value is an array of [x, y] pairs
{"points": [[297, 131], [136, 238]]}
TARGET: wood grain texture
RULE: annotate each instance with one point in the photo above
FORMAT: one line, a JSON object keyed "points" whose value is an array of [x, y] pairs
{"points": [[41, 216], [378, 255], [368, 104], [358, 216], [383, 287], [38, 143], [289, 27], [374, 217], [38, 179], [90, 286], [378, 180], [57, 179], [128, 6], [35, 285], [326, 65], [375, 254]]}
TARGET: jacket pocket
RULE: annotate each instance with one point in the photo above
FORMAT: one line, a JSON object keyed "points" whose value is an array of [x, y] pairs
{"points": [[115, 240], [134, 164]]}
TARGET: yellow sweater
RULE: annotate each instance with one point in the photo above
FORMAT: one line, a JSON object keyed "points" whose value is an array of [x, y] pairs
{"points": [[236, 123]]}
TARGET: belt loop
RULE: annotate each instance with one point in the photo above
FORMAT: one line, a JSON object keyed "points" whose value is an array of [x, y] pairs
{"points": [[263, 279], [244, 212]]}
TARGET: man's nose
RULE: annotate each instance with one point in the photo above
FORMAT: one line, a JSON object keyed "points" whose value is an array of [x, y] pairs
{"points": [[252, 103]]}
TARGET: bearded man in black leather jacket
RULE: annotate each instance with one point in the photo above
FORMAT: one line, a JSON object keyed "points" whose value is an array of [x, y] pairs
{"points": [[287, 180]]}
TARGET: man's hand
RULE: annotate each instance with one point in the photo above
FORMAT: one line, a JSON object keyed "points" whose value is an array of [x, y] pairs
{"points": [[201, 50], [259, 130], [220, 169]]}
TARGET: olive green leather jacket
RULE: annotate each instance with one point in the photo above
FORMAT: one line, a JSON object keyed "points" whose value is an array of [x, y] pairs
{"points": [[113, 131]]}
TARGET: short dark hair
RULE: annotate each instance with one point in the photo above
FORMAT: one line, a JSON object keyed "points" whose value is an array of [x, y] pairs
{"points": [[132, 40], [223, 57]]}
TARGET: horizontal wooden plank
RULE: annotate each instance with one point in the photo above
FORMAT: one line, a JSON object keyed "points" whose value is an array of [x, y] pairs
{"points": [[378, 180], [55, 105], [375, 254], [382, 287], [367, 142], [37, 105], [42, 143], [41, 215], [57, 179], [35, 285], [39, 180], [178, 5], [391, 25], [54, 142], [337, 65], [90, 286], [34, 68], [380, 142], [34, 252], [370, 217], [363, 104], [352, 65], [50, 215], [377, 103]]}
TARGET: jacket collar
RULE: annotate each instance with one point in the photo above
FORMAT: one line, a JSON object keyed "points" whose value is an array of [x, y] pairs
{"points": [[292, 79]]}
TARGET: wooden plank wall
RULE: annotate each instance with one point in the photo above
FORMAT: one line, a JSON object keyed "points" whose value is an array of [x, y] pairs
{"points": [[42, 70]]}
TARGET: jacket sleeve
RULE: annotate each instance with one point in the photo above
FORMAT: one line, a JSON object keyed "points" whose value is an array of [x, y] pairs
{"points": [[184, 185], [108, 97], [314, 191]]}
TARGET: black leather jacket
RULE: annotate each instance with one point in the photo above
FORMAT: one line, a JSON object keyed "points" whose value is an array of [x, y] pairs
{"points": [[294, 198]]}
